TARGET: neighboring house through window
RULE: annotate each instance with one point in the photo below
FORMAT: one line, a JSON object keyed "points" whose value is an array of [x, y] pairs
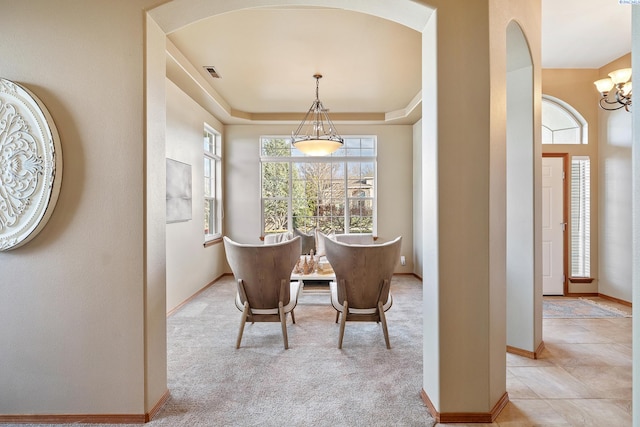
{"points": [[212, 185], [333, 194]]}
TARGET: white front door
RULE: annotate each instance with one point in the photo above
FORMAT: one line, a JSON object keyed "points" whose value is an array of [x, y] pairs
{"points": [[553, 226]]}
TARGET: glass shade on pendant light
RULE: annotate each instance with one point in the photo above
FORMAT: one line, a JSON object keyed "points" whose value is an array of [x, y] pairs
{"points": [[604, 85], [317, 147], [620, 76], [316, 135], [618, 83]]}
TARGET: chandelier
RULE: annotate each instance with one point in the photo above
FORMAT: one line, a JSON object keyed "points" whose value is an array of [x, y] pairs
{"points": [[620, 80], [316, 135]]}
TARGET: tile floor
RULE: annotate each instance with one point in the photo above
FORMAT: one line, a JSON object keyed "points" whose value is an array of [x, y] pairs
{"points": [[583, 377]]}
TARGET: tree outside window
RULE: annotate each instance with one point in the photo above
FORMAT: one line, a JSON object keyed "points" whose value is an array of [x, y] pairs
{"points": [[333, 194]]}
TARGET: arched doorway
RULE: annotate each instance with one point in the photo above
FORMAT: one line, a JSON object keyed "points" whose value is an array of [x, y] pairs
{"points": [[524, 292], [161, 21], [470, 385]]}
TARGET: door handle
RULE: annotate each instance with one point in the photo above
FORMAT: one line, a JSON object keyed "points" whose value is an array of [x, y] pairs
{"points": [[564, 226]]}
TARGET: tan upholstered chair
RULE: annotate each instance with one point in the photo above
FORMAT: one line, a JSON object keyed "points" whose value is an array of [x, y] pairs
{"points": [[263, 276], [363, 277]]}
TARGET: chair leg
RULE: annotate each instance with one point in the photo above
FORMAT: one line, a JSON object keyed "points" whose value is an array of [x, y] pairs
{"points": [[343, 321], [245, 314], [384, 324], [293, 318], [337, 316], [283, 322]]}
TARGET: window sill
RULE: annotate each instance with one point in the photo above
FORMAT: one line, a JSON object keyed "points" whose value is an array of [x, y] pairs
{"points": [[212, 242], [581, 279]]}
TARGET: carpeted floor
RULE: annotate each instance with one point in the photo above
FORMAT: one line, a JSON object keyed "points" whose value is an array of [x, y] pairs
{"points": [[578, 308], [311, 384]]}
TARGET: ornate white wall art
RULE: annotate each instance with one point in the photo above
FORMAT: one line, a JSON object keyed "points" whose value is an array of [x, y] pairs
{"points": [[30, 165]]}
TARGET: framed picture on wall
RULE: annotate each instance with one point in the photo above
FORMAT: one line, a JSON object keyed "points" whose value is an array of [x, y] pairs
{"points": [[178, 191]]}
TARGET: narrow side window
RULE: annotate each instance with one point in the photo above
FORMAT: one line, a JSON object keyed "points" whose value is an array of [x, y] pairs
{"points": [[580, 216], [212, 185]]}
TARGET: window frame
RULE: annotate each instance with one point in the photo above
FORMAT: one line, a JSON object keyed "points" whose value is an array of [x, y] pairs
{"points": [[214, 198], [573, 114], [340, 157]]}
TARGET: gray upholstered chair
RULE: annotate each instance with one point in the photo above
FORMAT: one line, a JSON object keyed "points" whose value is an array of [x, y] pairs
{"points": [[270, 239], [263, 276], [355, 238], [363, 278], [307, 241]]}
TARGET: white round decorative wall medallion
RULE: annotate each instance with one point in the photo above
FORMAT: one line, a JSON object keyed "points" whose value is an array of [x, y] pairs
{"points": [[30, 165]]}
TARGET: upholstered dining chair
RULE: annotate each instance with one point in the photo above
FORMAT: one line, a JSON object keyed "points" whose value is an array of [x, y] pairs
{"points": [[263, 277], [361, 291]]}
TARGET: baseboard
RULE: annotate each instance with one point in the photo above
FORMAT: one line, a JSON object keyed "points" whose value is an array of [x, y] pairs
{"points": [[465, 417], [597, 294], [408, 274], [86, 418], [580, 294], [614, 299], [526, 353], [157, 407], [192, 297], [74, 419]]}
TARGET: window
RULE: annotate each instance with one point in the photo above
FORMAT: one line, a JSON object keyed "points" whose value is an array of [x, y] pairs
{"points": [[580, 216], [212, 186], [335, 193], [561, 123]]}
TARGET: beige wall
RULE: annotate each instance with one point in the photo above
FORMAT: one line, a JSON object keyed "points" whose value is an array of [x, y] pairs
{"points": [[190, 266], [395, 186], [575, 87], [615, 202], [73, 299], [523, 171], [417, 199], [155, 295]]}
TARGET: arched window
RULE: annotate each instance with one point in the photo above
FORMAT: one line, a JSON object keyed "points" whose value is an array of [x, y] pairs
{"points": [[561, 123]]}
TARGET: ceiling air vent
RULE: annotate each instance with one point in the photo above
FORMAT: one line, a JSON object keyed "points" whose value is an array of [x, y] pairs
{"points": [[211, 70]]}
